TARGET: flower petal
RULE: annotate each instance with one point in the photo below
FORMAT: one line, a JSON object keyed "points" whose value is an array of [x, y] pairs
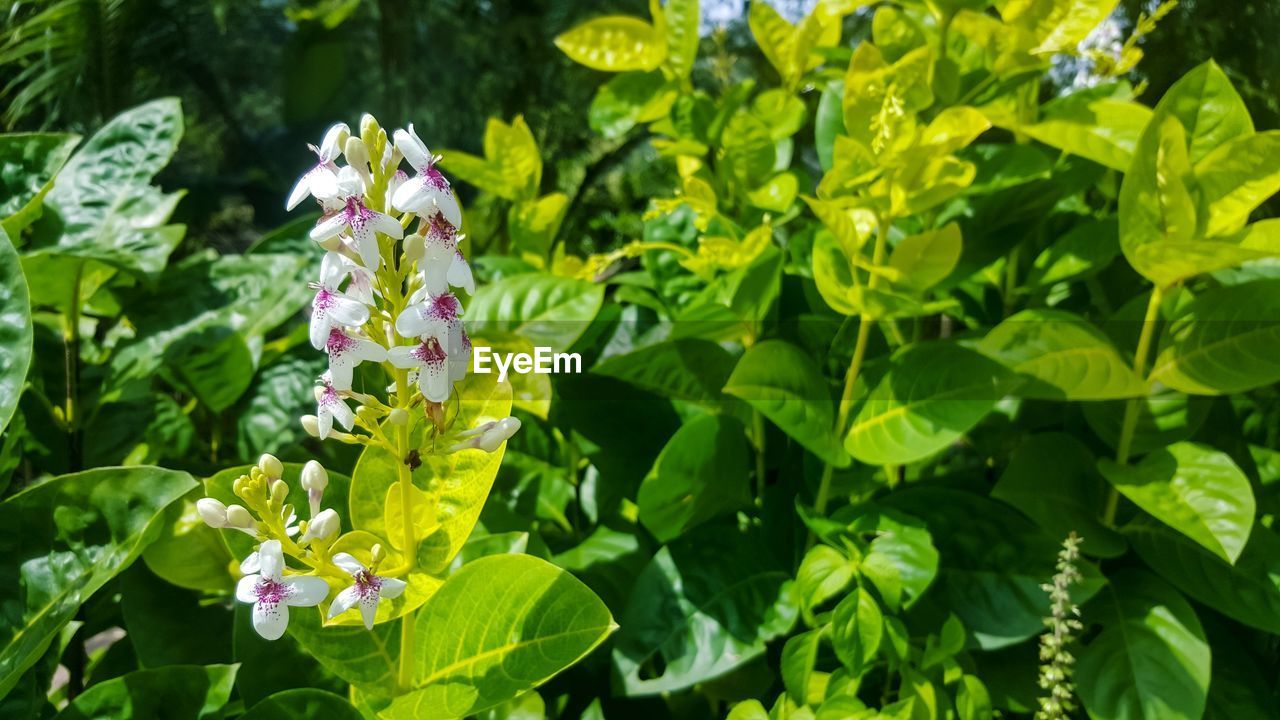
{"points": [[413, 149], [367, 245], [447, 203], [307, 590], [433, 380], [369, 350], [415, 195], [329, 227], [300, 191], [346, 311], [340, 412], [270, 621], [340, 371], [344, 601], [319, 331], [244, 588], [386, 225], [323, 183], [324, 421], [348, 563], [413, 322], [368, 609], [331, 145], [460, 274], [251, 565], [392, 588], [272, 560], [402, 356]]}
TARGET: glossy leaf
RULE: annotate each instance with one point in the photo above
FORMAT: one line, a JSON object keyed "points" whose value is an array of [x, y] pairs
{"points": [[1248, 591], [925, 260], [1061, 357], [614, 43], [993, 563], [1234, 179], [15, 330], [547, 310], [28, 164], [1225, 341], [700, 474], [705, 605], [67, 537], [302, 704], [932, 395], [785, 385], [1194, 489], [689, 369], [187, 552], [1104, 131], [538, 620], [1052, 479], [179, 691], [1151, 660], [682, 19], [857, 627]]}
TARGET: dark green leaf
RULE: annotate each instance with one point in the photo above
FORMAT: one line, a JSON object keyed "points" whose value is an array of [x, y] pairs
{"points": [[700, 474], [28, 164], [176, 691], [15, 330], [303, 704]]}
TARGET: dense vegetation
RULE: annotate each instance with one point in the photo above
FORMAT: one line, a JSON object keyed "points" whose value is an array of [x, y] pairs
{"points": [[929, 358]]}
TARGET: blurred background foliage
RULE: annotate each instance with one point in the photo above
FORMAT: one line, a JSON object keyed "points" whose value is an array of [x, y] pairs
{"points": [[260, 78]]}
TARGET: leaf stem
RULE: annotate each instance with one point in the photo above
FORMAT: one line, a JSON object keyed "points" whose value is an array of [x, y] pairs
{"points": [[757, 420], [1133, 405], [851, 375]]}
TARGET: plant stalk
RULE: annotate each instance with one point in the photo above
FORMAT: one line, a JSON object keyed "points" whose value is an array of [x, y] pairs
{"points": [[1133, 405], [405, 677]]}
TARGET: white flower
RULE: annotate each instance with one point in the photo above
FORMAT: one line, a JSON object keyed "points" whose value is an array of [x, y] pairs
{"points": [[442, 263], [430, 362], [321, 181], [345, 352], [441, 357], [271, 594], [363, 223], [428, 190], [367, 590], [330, 406], [488, 436], [315, 480], [332, 308]]}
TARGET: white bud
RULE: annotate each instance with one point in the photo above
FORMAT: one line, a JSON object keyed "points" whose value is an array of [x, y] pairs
{"points": [[271, 465], [322, 526], [212, 512], [399, 416], [499, 433], [414, 247], [314, 476], [311, 425], [238, 517]]}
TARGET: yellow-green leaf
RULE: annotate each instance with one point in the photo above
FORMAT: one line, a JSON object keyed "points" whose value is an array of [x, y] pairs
{"points": [[614, 43]]}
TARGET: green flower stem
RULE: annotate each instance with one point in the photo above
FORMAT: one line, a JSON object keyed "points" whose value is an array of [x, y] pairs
{"points": [[1133, 405], [758, 422], [855, 367]]}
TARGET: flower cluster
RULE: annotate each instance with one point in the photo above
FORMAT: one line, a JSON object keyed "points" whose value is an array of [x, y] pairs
{"points": [[386, 296], [1056, 661], [266, 581]]}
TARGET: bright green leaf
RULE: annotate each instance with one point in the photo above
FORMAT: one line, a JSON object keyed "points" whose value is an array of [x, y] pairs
{"points": [[700, 474]]}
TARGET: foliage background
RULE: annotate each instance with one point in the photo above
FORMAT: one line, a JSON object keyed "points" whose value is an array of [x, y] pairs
{"points": [[258, 80]]}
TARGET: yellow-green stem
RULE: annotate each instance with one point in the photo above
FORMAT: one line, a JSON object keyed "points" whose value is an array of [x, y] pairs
{"points": [[851, 375], [758, 423], [1134, 405]]}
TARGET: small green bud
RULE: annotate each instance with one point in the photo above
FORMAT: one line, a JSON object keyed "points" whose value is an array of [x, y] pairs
{"points": [[238, 517], [271, 466]]}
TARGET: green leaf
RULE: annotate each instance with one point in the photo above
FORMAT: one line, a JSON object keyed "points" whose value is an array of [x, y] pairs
{"points": [[271, 666], [368, 659], [785, 385], [799, 655], [857, 627], [187, 552], [828, 122], [1057, 26], [104, 197], [1164, 417], [548, 310], [926, 259], [682, 19], [459, 482], [773, 34], [1248, 591], [628, 99], [1208, 106], [931, 396], [1052, 478], [538, 620], [1151, 661], [514, 151], [65, 539], [614, 43], [1234, 179], [706, 604], [533, 224], [1194, 489], [175, 691], [15, 330], [1224, 342], [900, 559], [302, 704], [1083, 251], [1062, 357], [700, 474], [688, 369], [823, 573], [169, 626], [28, 164], [1105, 131], [994, 563]]}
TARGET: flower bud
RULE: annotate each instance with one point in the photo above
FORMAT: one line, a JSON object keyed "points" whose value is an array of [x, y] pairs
{"points": [[212, 512], [499, 433], [271, 465], [414, 247], [333, 244], [314, 476], [311, 425], [399, 416], [279, 491], [238, 517], [369, 127], [322, 527]]}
